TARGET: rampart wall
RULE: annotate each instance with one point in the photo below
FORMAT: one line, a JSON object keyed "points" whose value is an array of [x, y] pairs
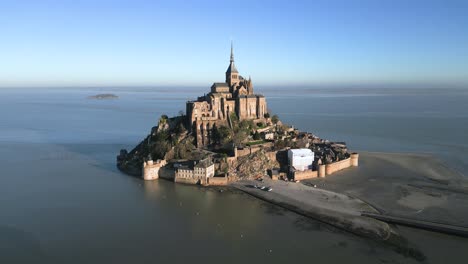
{"points": [[328, 169], [151, 169], [337, 166], [352, 161], [186, 180], [218, 181], [252, 149], [307, 174]]}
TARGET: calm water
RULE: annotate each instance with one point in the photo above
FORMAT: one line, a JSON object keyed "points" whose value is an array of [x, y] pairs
{"points": [[63, 201]]}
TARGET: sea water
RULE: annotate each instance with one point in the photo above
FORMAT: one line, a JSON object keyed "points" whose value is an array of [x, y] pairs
{"points": [[62, 199]]}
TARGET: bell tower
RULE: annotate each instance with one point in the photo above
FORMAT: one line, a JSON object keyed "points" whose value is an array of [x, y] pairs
{"points": [[232, 75]]}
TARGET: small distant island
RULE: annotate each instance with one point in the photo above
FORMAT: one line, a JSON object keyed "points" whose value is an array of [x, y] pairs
{"points": [[105, 96], [228, 137]]}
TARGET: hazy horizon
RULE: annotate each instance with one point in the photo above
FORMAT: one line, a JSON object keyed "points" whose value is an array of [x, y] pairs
{"points": [[147, 43], [314, 86]]}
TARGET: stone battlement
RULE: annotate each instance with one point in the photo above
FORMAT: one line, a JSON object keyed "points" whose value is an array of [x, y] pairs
{"points": [[331, 168], [328, 169], [151, 169]]}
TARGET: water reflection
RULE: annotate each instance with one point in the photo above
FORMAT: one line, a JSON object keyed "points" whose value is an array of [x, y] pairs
{"points": [[19, 246]]}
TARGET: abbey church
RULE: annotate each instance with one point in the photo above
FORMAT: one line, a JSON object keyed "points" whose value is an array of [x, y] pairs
{"points": [[234, 96]]}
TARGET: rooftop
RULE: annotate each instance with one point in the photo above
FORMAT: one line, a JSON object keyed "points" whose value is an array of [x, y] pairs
{"points": [[303, 152], [220, 84]]}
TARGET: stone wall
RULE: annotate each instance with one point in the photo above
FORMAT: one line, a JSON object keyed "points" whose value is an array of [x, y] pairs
{"points": [[307, 174], [352, 161], [218, 181], [252, 149], [321, 171], [212, 181], [186, 180], [231, 160], [151, 169], [243, 152], [337, 166]]}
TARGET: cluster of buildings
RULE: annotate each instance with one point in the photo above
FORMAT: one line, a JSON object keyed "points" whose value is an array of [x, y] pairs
{"points": [[307, 155], [233, 96]]}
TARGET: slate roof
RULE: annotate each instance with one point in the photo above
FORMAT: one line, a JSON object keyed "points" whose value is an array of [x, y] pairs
{"points": [[220, 84], [204, 163], [232, 68]]}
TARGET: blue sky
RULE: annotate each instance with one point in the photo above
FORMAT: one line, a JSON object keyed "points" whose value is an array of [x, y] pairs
{"points": [[107, 43]]}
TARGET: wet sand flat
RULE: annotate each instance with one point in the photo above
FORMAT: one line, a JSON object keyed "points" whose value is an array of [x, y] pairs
{"points": [[411, 185]]}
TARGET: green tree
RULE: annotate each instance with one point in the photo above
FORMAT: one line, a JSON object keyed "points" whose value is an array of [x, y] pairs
{"points": [[256, 136], [246, 125], [180, 128], [221, 135], [280, 144], [159, 149], [240, 137], [275, 119]]}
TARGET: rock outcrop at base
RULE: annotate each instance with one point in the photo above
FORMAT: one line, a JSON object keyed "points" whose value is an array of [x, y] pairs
{"points": [[253, 166]]}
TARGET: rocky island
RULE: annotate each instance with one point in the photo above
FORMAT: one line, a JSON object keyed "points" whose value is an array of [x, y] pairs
{"points": [[228, 137]]}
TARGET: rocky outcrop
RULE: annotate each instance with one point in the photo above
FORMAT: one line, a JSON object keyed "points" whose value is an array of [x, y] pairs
{"points": [[253, 165]]}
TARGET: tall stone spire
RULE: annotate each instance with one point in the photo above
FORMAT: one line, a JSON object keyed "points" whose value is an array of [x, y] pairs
{"points": [[232, 75], [232, 53]]}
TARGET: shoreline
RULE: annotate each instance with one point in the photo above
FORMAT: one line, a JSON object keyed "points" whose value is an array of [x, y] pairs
{"points": [[345, 214], [429, 155], [419, 186]]}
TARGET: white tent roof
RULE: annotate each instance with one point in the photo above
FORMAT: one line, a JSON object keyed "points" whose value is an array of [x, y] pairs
{"points": [[303, 152]]}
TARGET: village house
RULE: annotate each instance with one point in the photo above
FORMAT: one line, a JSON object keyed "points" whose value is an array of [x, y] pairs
{"points": [[195, 171]]}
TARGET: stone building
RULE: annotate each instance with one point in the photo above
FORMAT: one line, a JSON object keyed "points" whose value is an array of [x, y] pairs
{"points": [[234, 96], [195, 172]]}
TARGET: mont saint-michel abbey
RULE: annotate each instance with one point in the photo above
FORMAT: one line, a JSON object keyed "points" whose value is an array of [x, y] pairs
{"points": [[234, 96]]}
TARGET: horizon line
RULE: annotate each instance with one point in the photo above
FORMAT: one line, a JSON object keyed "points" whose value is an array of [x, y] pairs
{"points": [[350, 85]]}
